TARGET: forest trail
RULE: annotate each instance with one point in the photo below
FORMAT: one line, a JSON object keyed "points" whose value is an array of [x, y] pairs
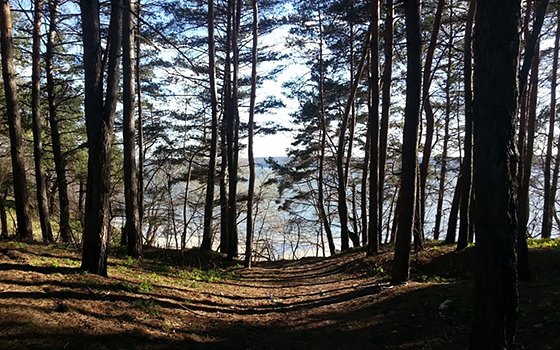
{"points": [[342, 302]]}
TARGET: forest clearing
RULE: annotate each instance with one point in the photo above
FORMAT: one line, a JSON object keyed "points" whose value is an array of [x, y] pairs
{"points": [[341, 302]]}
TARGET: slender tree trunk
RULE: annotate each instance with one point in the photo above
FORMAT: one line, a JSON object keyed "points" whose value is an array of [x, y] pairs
{"points": [[342, 171], [364, 207], [373, 125], [531, 46], [451, 233], [348, 122], [223, 192], [140, 121], [525, 142], [42, 201], [466, 166], [395, 225], [188, 178], [401, 263], [523, 267], [207, 235], [352, 120], [443, 172], [496, 52], [427, 150], [385, 104], [352, 128], [232, 127], [323, 145], [21, 192], [251, 190], [65, 232], [3, 215], [99, 123], [554, 185], [132, 226], [342, 194], [548, 201]]}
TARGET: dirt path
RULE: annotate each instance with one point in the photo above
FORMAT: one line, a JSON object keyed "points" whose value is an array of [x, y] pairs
{"points": [[46, 303]]}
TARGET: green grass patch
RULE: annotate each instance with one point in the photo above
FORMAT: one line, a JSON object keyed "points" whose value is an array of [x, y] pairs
{"points": [[433, 279], [17, 245], [126, 286], [148, 305], [129, 261], [208, 276], [544, 243]]}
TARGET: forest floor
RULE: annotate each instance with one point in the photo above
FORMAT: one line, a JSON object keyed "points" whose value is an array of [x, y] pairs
{"points": [[343, 302]]}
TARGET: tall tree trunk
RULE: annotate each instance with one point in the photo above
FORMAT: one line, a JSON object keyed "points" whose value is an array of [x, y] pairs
{"points": [[42, 201], [523, 267], [554, 185], [342, 163], [364, 193], [525, 145], [140, 121], [352, 116], [496, 52], [466, 166], [342, 170], [100, 114], [21, 192], [427, 150], [232, 127], [251, 190], [548, 201], [322, 146], [448, 87], [223, 192], [132, 225], [407, 195], [65, 232], [207, 235], [373, 125], [386, 78]]}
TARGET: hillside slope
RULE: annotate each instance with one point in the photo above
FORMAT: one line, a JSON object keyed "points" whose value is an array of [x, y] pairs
{"points": [[342, 302]]}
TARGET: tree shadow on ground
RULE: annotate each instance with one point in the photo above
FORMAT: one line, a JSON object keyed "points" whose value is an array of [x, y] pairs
{"points": [[82, 311]]}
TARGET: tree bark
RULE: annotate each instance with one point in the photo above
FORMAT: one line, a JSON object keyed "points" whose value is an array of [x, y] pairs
{"points": [[223, 192], [99, 114], [427, 150], [207, 235], [342, 170], [253, 96], [407, 195], [445, 147], [523, 267], [232, 124], [548, 201], [451, 233], [323, 144], [386, 78], [42, 201], [466, 166], [3, 216], [140, 121], [132, 224], [373, 125], [21, 192], [496, 52], [525, 145], [65, 232]]}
